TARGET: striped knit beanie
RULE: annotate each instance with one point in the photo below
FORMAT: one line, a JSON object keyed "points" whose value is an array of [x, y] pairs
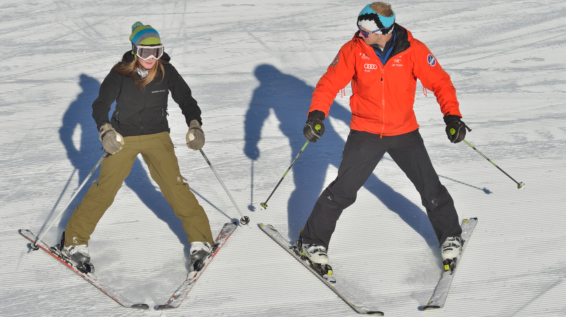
{"points": [[371, 21], [144, 35]]}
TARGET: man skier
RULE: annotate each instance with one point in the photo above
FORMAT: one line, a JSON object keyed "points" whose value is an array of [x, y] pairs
{"points": [[383, 62]]}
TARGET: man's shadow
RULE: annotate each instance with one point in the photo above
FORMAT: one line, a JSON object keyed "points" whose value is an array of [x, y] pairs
{"points": [[79, 115], [289, 98]]}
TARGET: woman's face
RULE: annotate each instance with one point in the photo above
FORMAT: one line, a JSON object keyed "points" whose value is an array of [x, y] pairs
{"points": [[147, 64]]}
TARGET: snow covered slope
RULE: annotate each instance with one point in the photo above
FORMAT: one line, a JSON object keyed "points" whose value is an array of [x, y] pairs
{"points": [[252, 66]]}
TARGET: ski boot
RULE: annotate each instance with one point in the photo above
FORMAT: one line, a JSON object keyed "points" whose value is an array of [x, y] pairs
{"points": [[78, 255], [316, 257], [451, 249], [200, 251]]}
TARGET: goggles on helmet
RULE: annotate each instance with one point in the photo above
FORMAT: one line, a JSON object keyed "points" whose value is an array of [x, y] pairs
{"points": [[382, 31], [146, 52]]}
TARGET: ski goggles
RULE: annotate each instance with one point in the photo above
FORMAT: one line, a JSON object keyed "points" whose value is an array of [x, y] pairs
{"points": [[382, 31], [146, 52]]}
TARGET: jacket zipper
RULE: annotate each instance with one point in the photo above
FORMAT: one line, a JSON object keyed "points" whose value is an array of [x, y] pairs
{"points": [[382, 68], [382, 100], [141, 112]]}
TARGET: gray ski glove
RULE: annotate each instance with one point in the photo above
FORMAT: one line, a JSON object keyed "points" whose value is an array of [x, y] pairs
{"points": [[195, 136], [112, 141]]}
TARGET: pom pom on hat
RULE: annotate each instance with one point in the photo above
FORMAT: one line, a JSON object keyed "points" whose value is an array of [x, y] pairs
{"points": [[371, 20], [144, 35]]}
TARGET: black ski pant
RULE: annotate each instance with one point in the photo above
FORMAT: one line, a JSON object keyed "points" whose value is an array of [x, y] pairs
{"points": [[362, 152]]}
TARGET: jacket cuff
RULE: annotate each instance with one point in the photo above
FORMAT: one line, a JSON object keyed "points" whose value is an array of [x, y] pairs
{"points": [[189, 119], [316, 114]]}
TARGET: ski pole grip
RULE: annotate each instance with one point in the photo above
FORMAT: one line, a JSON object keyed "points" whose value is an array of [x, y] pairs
{"points": [[317, 127]]}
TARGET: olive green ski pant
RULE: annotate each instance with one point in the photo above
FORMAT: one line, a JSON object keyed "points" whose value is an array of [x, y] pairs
{"points": [[158, 153]]}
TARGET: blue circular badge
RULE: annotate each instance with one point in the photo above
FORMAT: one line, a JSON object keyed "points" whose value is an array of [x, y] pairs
{"points": [[431, 60]]}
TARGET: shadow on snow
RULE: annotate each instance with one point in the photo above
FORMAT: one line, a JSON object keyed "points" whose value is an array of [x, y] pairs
{"points": [[289, 98]]}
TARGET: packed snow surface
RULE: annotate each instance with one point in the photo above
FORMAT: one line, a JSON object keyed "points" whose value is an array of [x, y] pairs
{"points": [[252, 66]]}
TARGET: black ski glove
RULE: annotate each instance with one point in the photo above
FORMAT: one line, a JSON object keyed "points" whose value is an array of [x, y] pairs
{"points": [[314, 128], [455, 128]]}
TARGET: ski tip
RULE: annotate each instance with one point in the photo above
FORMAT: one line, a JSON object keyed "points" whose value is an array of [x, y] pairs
{"points": [[376, 313], [140, 306], [161, 307]]}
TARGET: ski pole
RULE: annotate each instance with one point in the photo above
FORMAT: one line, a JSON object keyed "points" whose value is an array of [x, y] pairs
{"points": [[34, 245], [245, 219], [251, 206], [519, 184], [264, 204]]}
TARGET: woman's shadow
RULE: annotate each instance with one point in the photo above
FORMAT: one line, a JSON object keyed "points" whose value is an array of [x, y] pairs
{"points": [[289, 99], [83, 158]]}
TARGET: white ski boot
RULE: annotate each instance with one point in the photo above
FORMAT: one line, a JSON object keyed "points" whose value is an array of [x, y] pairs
{"points": [[451, 249], [315, 253], [199, 252], [79, 254], [317, 258]]}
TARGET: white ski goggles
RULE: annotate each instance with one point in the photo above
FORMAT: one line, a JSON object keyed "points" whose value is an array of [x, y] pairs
{"points": [[146, 52]]}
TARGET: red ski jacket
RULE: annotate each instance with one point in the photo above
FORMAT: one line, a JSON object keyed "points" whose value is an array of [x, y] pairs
{"points": [[383, 95]]}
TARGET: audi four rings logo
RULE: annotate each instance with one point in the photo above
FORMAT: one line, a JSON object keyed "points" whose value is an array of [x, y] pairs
{"points": [[370, 66]]}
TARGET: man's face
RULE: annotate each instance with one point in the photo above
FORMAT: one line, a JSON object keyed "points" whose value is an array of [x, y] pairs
{"points": [[374, 38]]}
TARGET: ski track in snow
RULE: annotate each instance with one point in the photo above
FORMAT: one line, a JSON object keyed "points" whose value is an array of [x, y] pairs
{"points": [[252, 66]]}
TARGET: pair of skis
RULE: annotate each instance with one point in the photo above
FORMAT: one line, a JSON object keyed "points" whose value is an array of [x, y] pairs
{"points": [[437, 299], [173, 302]]}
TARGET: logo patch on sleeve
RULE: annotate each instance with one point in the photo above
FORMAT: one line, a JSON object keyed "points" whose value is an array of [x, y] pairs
{"points": [[336, 60], [431, 60]]}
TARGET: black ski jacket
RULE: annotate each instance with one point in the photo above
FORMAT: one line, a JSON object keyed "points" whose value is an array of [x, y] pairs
{"points": [[140, 112]]}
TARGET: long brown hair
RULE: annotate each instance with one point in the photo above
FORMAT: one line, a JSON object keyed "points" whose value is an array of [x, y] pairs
{"points": [[129, 69]]}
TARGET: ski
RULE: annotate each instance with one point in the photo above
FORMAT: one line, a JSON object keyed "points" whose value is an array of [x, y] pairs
{"points": [[438, 298], [177, 298], [329, 281], [89, 277]]}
